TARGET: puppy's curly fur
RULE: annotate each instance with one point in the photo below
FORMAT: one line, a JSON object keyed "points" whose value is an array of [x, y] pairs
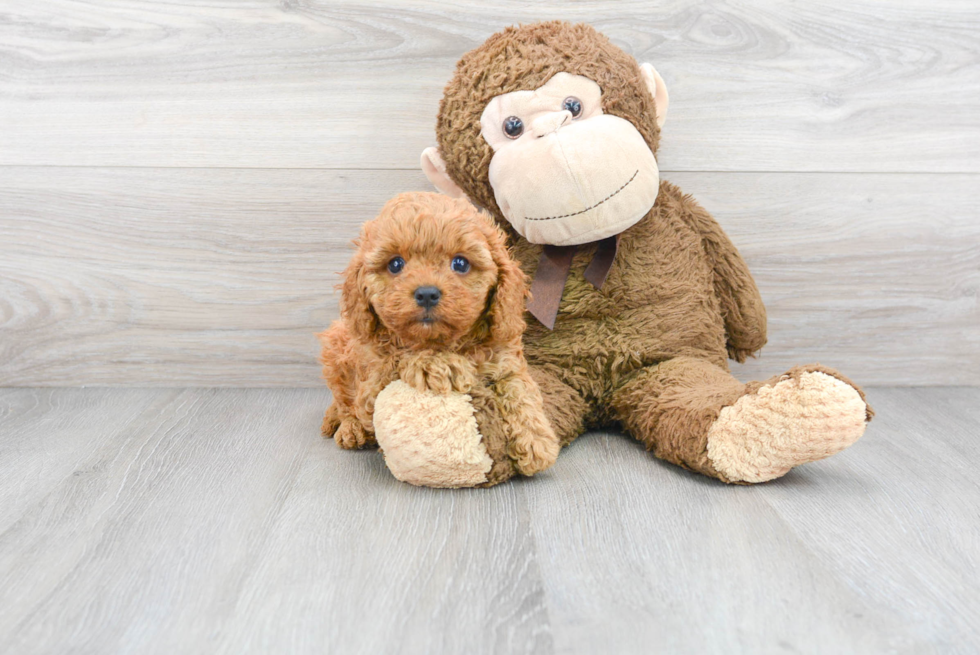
{"points": [[469, 342]]}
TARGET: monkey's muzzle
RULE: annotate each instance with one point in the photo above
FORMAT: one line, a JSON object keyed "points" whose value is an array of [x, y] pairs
{"points": [[583, 182]]}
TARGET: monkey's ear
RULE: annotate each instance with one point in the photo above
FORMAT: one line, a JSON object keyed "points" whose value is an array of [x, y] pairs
{"points": [[655, 84], [435, 169]]}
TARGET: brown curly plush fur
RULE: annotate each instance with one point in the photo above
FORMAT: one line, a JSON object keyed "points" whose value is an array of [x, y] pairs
{"points": [[473, 345], [649, 350]]}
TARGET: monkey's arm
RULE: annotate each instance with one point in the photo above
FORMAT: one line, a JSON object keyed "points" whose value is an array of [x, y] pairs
{"points": [[741, 304], [533, 444]]}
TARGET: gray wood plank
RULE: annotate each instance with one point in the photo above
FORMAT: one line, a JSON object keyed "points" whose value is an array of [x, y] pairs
{"points": [[817, 86], [216, 277], [668, 561], [874, 550], [223, 522], [916, 486], [64, 429], [157, 522], [376, 566], [219, 521]]}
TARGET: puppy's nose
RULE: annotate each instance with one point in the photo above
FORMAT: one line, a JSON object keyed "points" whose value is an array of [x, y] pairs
{"points": [[427, 297]]}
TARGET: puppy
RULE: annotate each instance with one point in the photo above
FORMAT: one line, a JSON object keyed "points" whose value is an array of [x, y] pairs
{"points": [[432, 298]]}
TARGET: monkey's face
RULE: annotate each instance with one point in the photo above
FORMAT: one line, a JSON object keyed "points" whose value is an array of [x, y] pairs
{"points": [[563, 172]]}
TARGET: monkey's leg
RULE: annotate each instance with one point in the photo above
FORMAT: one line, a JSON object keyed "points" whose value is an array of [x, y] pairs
{"points": [[694, 414], [563, 406]]}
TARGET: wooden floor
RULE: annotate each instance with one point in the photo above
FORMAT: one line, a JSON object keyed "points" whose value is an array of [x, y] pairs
{"points": [[218, 521]]}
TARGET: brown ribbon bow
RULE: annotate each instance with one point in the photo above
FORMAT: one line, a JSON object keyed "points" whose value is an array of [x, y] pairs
{"points": [[553, 268]]}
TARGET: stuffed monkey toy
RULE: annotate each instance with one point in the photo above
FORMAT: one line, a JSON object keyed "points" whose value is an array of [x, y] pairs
{"points": [[638, 297]]}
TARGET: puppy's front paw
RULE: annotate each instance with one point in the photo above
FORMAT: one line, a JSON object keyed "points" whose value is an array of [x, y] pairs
{"points": [[351, 434], [534, 453], [331, 421], [463, 374], [439, 373]]}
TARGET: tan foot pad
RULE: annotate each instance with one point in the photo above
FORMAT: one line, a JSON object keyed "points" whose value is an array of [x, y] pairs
{"points": [[429, 439], [798, 420]]}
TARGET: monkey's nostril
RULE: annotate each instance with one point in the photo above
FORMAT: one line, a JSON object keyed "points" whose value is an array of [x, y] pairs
{"points": [[552, 124], [427, 297]]}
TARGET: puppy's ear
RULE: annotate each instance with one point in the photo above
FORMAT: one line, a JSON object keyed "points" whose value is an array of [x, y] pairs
{"points": [[355, 308], [506, 308]]}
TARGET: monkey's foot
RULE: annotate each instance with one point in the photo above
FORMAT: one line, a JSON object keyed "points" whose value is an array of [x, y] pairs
{"points": [[796, 418]]}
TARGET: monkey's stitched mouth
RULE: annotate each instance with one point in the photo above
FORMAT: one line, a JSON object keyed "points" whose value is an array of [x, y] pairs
{"points": [[614, 193]]}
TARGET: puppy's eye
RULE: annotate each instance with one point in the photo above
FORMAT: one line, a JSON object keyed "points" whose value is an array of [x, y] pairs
{"points": [[460, 264], [573, 105], [396, 265], [513, 127]]}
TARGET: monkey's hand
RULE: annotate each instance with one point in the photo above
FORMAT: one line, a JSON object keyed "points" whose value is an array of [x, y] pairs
{"points": [[438, 372]]}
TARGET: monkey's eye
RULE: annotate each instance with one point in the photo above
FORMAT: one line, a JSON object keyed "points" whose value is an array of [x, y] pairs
{"points": [[396, 265], [460, 264], [573, 105], [513, 127]]}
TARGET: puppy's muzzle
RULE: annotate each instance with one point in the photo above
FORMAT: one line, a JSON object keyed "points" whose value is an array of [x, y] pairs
{"points": [[427, 297]]}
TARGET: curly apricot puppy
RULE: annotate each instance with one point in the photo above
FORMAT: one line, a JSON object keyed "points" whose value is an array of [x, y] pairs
{"points": [[433, 300]]}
